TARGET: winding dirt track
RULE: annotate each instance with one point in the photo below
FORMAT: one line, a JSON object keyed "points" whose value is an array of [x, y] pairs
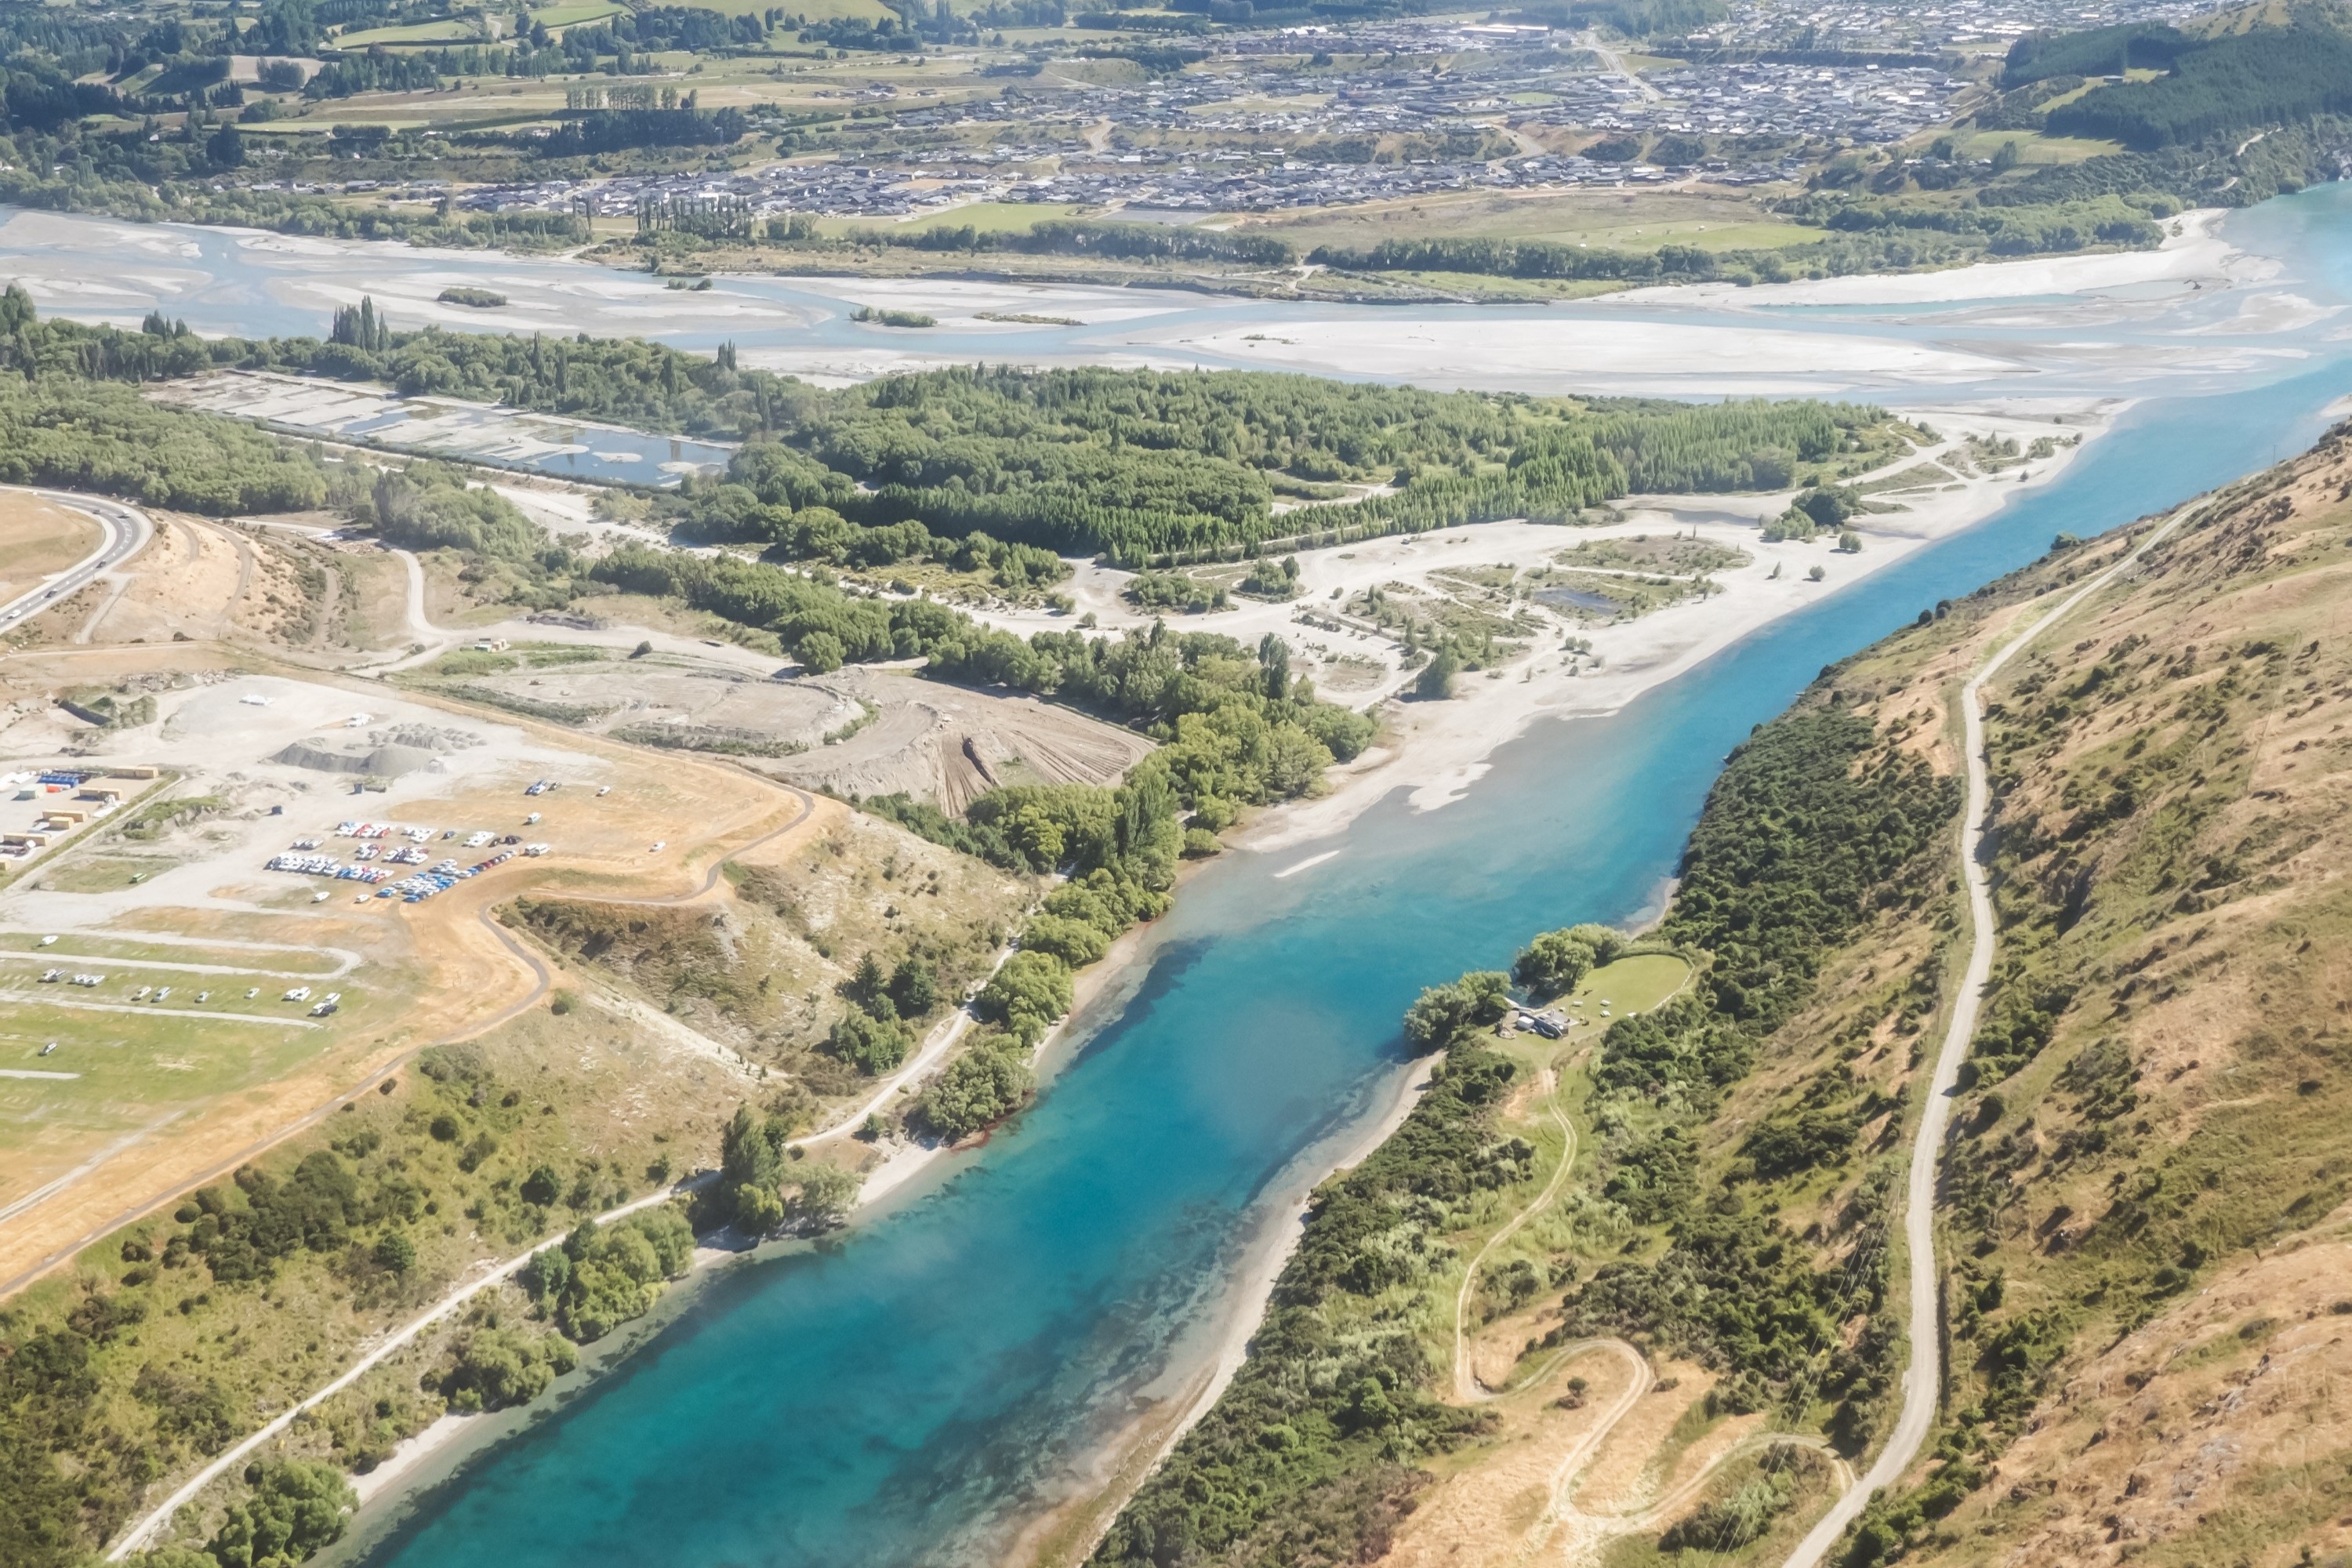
{"points": [[1561, 1514], [1566, 1472], [155, 1520], [1466, 1386], [1923, 1379]]}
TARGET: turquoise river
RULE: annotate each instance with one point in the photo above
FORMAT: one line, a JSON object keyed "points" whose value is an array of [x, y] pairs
{"points": [[917, 1389]]}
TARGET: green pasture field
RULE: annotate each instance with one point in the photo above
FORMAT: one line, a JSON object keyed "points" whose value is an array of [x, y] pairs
{"points": [[97, 873], [574, 12], [2033, 148], [988, 218], [1504, 289], [814, 10], [448, 30], [133, 1062], [1627, 220], [1637, 984], [83, 951]]}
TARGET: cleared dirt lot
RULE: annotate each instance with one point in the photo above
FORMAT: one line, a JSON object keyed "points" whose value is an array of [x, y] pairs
{"points": [[949, 744], [863, 730]]}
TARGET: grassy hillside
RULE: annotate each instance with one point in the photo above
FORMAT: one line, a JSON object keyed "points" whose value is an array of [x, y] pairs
{"points": [[2144, 1210]]}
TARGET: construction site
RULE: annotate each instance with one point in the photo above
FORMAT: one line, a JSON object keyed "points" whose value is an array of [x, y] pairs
{"points": [[857, 731]]}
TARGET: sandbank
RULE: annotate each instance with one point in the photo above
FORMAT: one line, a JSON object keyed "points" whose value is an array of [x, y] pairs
{"points": [[1556, 351], [958, 302], [2193, 251], [1436, 751], [409, 1453]]}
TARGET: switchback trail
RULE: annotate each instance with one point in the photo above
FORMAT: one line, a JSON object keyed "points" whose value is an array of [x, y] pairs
{"points": [[1468, 1387], [1923, 1380]]}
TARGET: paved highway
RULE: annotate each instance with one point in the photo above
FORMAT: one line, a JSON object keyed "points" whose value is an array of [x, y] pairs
{"points": [[127, 533]]}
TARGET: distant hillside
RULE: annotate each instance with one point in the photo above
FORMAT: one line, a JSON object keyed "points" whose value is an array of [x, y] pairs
{"points": [[2096, 51], [2270, 75]]}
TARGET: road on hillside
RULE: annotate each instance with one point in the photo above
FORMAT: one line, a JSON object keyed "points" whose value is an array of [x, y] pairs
{"points": [[1923, 1380], [127, 533]]}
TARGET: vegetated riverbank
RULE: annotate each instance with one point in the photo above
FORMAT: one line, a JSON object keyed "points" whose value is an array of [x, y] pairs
{"points": [[1437, 750], [1813, 823], [1076, 1240], [1067, 1531], [2140, 1162], [1490, 713]]}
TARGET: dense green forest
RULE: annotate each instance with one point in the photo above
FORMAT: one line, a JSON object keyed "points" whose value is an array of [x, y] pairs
{"points": [[2269, 75], [57, 426], [62, 430], [1132, 464], [1816, 822]]}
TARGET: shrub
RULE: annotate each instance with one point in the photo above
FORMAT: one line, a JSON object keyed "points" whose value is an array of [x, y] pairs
{"points": [[1026, 995], [824, 1197], [978, 1088], [869, 1044], [821, 652], [1075, 942], [1554, 963], [1435, 682], [497, 1367], [1443, 1012], [297, 1507]]}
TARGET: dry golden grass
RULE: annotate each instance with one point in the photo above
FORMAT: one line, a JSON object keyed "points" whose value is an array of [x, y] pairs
{"points": [[38, 538]]}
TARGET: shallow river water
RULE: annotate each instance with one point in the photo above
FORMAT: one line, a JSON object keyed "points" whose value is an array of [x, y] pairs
{"points": [[913, 1391]]}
